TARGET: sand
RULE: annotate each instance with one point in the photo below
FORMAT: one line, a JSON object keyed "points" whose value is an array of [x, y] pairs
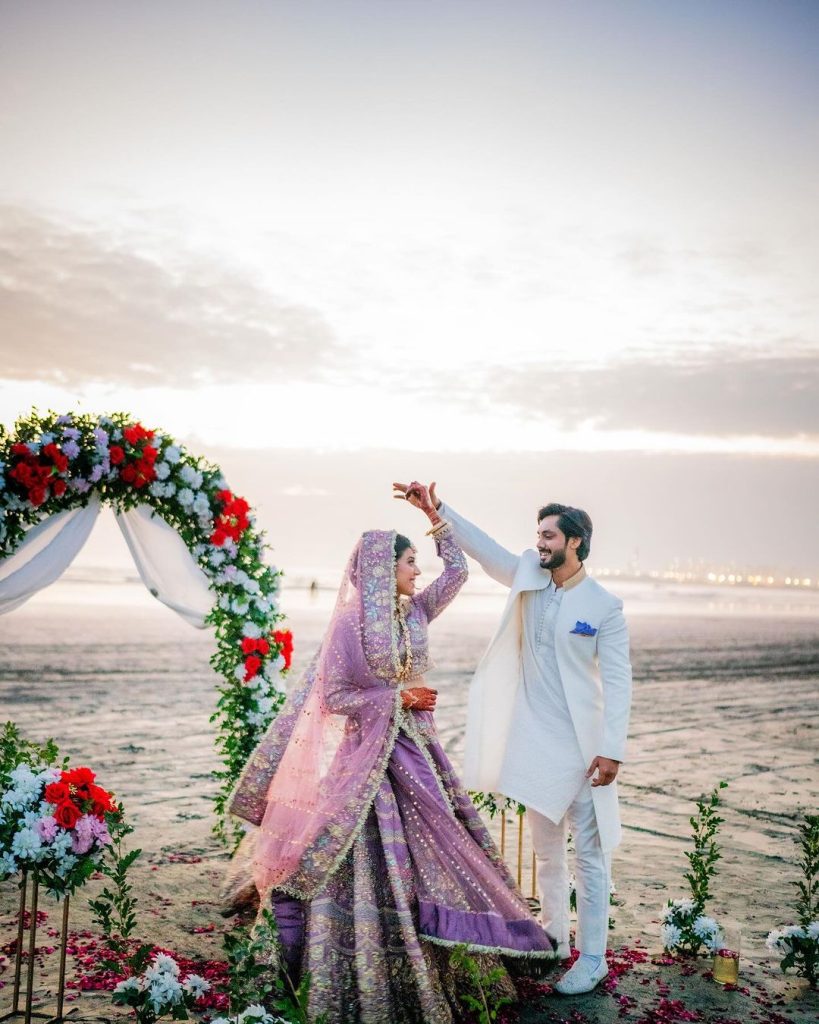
{"points": [[125, 687]]}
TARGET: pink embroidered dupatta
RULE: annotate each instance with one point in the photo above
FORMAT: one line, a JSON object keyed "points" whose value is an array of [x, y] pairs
{"points": [[311, 781]]}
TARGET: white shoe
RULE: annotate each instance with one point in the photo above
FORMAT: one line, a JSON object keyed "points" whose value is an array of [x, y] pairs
{"points": [[581, 978]]}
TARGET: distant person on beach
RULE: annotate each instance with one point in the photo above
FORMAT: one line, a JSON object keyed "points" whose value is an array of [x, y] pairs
{"points": [[548, 716], [370, 853]]}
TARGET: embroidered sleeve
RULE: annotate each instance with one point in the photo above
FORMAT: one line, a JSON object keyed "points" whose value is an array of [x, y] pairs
{"points": [[434, 598]]}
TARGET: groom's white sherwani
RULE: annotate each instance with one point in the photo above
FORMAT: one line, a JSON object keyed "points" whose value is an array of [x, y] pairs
{"points": [[551, 693]]}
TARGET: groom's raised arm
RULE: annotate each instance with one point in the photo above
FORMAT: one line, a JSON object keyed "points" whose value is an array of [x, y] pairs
{"points": [[494, 559]]}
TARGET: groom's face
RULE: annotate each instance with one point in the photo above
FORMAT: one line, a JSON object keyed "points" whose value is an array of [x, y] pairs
{"points": [[551, 543]]}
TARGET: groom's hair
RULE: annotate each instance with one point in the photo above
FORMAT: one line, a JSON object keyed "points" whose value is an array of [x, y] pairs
{"points": [[573, 522]]}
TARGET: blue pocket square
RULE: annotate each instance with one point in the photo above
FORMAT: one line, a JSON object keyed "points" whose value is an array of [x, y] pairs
{"points": [[584, 629]]}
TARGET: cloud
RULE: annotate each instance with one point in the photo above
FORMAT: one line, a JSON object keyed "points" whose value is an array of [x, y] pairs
{"points": [[739, 394], [76, 306]]}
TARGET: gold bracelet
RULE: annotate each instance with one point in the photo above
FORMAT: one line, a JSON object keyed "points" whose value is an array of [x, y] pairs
{"points": [[437, 528]]}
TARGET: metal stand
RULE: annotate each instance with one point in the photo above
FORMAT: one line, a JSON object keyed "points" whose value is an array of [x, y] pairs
{"points": [[29, 1013]]}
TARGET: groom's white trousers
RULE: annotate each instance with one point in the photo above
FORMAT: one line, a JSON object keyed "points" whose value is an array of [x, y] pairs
{"points": [[592, 874]]}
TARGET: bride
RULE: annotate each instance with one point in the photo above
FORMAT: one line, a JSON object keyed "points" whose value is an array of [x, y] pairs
{"points": [[368, 849]]}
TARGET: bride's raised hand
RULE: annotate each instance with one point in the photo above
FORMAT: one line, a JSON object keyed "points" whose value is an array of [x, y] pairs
{"points": [[418, 494]]}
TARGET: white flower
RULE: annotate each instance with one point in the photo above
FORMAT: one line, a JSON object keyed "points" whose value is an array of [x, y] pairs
{"points": [[256, 1012], [794, 931], [172, 454], [813, 930], [774, 941], [255, 719], [684, 906], [240, 672], [265, 705], [671, 936], [252, 586], [185, 497], [196, 985], [163, 470], [157, 488], [128, 985], [165, 964], [191, 475], [705, 926], [240, 607], [8, 865], [48, 775], [26, 844], [170, 489], [251, 629], [216, 557], [201, 505]]}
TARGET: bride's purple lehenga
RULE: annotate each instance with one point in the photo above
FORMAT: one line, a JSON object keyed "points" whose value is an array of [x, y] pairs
{"points": [[395, 860]]}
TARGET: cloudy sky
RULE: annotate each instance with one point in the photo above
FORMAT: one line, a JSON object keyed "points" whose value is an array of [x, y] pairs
{"points": [[542, 250]]}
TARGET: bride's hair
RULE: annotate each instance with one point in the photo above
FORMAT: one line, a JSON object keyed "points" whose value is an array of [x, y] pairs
{"points": [[401, 545]]}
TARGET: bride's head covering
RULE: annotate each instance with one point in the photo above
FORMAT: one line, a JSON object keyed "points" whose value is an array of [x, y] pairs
{"points": [[311, 780]]}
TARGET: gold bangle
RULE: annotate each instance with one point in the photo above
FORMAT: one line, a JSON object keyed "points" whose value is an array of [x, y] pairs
{"points": [[437, 528]]}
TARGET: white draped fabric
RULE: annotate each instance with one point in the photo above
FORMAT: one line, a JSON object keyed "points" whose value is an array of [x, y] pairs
{"points": [[166, 566], [47, 551], [162, 559]]}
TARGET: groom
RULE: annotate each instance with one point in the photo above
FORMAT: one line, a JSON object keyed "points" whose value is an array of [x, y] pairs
{"points": [[548, 716]]}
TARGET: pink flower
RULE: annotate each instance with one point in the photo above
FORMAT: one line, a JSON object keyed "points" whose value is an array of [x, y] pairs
{"points": [[47, 828], [83, 838]]}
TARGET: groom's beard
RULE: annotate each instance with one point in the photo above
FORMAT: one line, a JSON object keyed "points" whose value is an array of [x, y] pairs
{"points": [[553, 561]]}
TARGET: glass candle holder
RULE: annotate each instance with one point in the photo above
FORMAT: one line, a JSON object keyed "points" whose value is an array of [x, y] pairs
{"points": [[726, 959]]}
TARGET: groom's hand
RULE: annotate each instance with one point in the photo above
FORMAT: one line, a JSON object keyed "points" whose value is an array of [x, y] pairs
{"points": [[606, 771]]}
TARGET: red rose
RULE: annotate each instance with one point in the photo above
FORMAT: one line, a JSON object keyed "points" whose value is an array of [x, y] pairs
{"points": [[102, 800], [149, 454], [57, 792], [252, 666], [128, 473], [223, 496], [22, 472], [58, 487], [37, 496], [79, 776], [248, 645], [51, 450], [131, 434], [218, 538], [116, 454], [20, 449], [67, 815], [262, 646], [284, 638], [61, 462]]}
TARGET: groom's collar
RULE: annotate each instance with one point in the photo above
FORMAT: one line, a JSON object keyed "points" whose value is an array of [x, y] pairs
{"points": [[578, 577]]}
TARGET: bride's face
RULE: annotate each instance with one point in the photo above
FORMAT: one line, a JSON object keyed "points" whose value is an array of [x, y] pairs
{"points": [[406, 571]]}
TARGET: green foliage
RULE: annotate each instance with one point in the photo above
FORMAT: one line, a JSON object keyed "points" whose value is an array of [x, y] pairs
{"points": [[249, 955], [493, 806], [16, 749], [114, 910], [807, 887], [706, 854], [800, 943], [481, 995]]}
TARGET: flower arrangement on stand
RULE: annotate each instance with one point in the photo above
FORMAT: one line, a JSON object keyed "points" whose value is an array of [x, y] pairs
{"points": [[685, 927], [798, 944], [51, 463], [54, 820]]}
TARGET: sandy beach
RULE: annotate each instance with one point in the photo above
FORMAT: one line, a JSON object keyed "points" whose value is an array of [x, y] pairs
{"points": [[725, 688]]}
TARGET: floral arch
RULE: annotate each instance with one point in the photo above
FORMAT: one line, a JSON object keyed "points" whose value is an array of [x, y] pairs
{"points": [[193, 540]]}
